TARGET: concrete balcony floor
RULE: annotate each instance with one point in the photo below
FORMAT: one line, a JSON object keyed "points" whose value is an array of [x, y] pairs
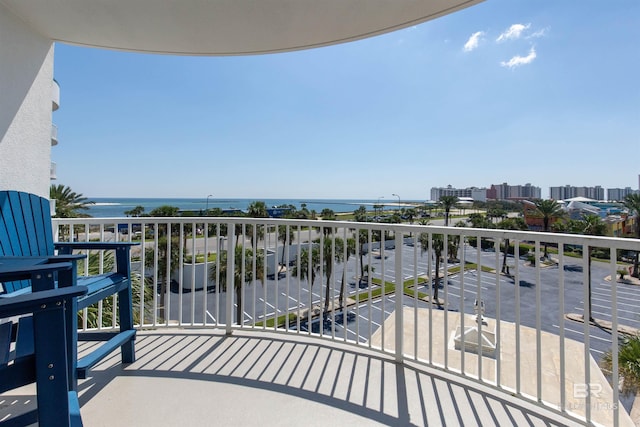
{"points": [[202, 377]]}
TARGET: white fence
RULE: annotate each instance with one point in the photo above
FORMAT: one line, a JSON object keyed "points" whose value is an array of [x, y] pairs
{"points": [[514, 321]]}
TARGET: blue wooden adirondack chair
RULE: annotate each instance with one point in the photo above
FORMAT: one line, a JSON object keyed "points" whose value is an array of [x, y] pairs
{"points": [[25, 230], [40, 351]]}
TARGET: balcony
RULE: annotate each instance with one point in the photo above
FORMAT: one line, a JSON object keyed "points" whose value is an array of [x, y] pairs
{"points": [[55, 95], [339, 321], [53, 170], [54, 135]]}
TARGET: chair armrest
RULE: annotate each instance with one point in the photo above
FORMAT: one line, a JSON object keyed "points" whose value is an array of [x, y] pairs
{"points": [[67, 247], [67, 258], [35, 301], [9, 271]]}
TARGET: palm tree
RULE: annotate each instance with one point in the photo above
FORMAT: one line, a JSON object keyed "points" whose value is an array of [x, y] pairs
{"points": [[135, 212], [628, 364], [328, 215], [360, 214], [632, 202], [447, 202], [286, 234], [331, 252], [239, 277], [165, 260], [437, 244], [138, 293], [480, 221], [410, 214], [548, 209], [591, 225], [363, 239], [165, 211], [350, 250], [68, 202], [256, 209], [510, 224], [306, 268]]}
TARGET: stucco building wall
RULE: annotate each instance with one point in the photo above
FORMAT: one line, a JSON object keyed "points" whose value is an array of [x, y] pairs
{"points": [[26, 78]]}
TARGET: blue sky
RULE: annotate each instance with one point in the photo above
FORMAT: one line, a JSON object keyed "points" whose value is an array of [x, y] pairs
{"points": [[545, 92]]}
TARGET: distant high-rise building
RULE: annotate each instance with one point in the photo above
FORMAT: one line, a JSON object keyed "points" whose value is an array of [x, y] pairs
{"points": [[569, 192], [505, 191], [477, 194], [618, 194]]}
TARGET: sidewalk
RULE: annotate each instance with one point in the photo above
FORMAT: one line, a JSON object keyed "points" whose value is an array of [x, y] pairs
{"points": [[443, 346]]}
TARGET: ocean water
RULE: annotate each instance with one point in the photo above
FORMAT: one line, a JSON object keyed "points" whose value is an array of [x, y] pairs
{"points": [[116, 207]]}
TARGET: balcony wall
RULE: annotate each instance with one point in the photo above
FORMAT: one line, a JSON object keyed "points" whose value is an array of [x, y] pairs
{"points": [[520, 332], [54, 135], [55, 95]]}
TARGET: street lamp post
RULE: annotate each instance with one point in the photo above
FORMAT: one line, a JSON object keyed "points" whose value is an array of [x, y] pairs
{"points": [[398, 201], [206, 212], [377, 207]]}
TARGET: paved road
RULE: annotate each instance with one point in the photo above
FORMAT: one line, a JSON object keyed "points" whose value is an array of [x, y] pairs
{"points": [[289, 293]]}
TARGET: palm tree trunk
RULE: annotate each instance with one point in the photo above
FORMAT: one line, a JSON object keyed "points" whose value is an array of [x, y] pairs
{"points": [[505, 268], [436, 285], [589, 282], [327, 293], [342, 288], [239, 316], [163, 291]]}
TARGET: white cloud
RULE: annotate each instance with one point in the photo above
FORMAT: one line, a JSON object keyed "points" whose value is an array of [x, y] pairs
{"points": [[473, 41], [539, 33], [518, 60], [514, 32]]}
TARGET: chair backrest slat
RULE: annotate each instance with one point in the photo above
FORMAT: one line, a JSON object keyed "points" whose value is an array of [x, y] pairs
{"points": [[25, 228]]}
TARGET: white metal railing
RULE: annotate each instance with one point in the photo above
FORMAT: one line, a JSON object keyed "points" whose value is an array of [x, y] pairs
{"points": [[520, 332], [54, 135]]}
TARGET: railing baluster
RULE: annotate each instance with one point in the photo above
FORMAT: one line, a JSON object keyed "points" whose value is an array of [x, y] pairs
{"points": [[369, 281], [243, 274], [254, 272], [205, 279], [479, 302], [498, 316], [299, 284], [445, 279], [586, 318], [561, 314], [399, 293], [538, 326], [615, 380], [432, 283], [156, 308], [415, 295], [231, 244], [276, 275], [517, 304], [217, 278], [343, 282], [461, 309], [193, 275], [155, 274], [287, 257]]}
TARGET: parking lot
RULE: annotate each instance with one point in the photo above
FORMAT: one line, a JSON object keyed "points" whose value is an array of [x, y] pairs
{"points": [[291, 294]]}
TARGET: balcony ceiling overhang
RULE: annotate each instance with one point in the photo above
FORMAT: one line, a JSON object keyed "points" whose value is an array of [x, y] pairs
{"points": [[222, 27]]}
